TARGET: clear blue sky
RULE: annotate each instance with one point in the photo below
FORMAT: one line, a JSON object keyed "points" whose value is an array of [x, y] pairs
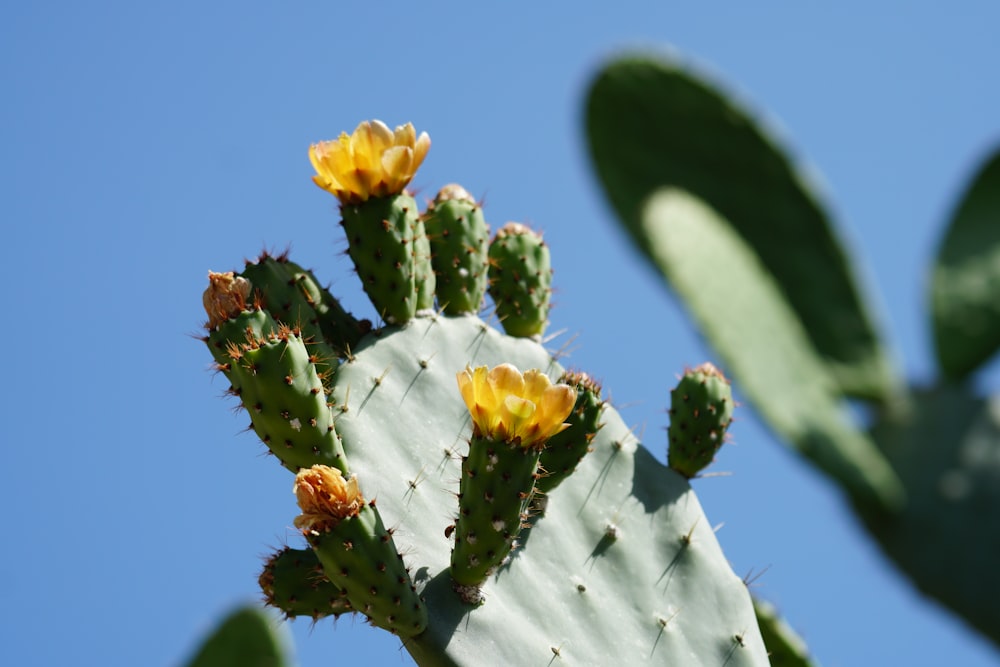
{"points": [[145, 143]]}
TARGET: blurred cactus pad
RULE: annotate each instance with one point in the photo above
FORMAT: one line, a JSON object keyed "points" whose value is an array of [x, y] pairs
{"points": [[406, 439], [711, 198]]}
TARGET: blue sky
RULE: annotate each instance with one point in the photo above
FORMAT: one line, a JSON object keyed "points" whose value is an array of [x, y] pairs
{"points": [[145, 143]]}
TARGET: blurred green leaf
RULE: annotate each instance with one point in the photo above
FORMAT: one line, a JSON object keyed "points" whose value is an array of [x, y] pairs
{"points": [[652, 124], [247, 637], [738, 306], [965, 290]]}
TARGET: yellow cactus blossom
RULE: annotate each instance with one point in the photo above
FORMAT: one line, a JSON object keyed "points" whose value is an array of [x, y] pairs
{"points": [[522, 409], [325, 498], [374, 161]]}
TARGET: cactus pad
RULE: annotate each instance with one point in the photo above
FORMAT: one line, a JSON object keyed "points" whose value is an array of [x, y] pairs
{"points": [[659, 592], [459, 238], [276, 380], [293, 582], [701, 407], [564, 450], [380, 240], [520, 279]]}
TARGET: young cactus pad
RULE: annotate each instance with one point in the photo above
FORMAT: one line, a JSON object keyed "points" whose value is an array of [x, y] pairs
{"points": [[701, 408], [520, 279], [293, 581], [659, 590], [367, 171], [459, 239]]}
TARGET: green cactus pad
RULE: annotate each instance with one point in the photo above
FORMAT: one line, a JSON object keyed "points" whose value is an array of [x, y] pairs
{"points": [[966, 281], [360, 557], [423, 268], [246, 637], [276, 380], [657, 123], [293, 582], [701, 407], [762, 343], [564, 450], [520, 278], [945, 447], [662, 592], [293, 296], [244, 326], [459, 239], [498, 480], [380, 240]]}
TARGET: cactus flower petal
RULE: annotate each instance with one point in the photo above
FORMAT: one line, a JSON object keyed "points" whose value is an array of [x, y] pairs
{"points": [[507, 405], [373, 161]]}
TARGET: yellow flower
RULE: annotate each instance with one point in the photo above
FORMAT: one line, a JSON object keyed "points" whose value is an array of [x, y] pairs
{"points": [[522, 409], [372, 162], [325, 498]]}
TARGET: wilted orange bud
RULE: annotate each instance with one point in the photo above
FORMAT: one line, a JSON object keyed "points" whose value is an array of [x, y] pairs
{"points": [[325, 498], [225, 297]]}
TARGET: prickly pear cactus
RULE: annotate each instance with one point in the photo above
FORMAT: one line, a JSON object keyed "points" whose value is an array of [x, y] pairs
{"points": [[750, 249], [623, 567]]}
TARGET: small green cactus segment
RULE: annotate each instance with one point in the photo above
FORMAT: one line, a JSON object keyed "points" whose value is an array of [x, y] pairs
{"points": [[423, 268], [380, 240], [498, 481], [459, 239], [966, 280], [784, 647], [244, 326], [277, 381], [656, 123], [564, 450], [520, 277], [360, 557], [945, 445], [234, 314], [247, 637], [680, 602], [293, 582], [295, 297], [735, 302], [701, 408]]}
